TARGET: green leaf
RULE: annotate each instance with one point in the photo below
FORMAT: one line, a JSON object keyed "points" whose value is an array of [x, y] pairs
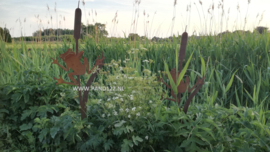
{"points": [[26, 113], [176, 59], [120, 123], [230, 83], [203, 66], [37, 120], [172, 83], [53, 131], [16, 97], [125, 146], [119, 131], [71, 133], [43, 134], [181, 75], [107, 145], [78, 138], [219, 81], [26, 126], [129, 129], [136, 139], [190, 144], [237, 98], [26, 97]]}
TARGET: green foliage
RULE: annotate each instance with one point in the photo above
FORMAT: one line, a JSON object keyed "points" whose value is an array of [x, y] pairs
{"points": [[5, 35], [44, 38], [37, 115], [97, 29], [261, 29], [28, 113], [47, 32], [41, 116], [133, 36]]}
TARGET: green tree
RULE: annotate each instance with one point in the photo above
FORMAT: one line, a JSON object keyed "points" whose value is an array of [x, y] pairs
{"points": [[132, 36], [94, 30], [261, 29], [5, 35], [47, 32]]}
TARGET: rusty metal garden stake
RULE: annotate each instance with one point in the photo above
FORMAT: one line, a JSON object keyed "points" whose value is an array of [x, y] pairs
{"points": [[77, 33], [183, 86], [72, 61]]}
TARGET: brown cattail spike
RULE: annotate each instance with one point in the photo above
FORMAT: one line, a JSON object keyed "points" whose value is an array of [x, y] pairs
{"points": [[182, 51], [77, 23]]}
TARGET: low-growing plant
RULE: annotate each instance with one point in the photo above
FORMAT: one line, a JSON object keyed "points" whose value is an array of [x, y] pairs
{"points": [[46, 117]]}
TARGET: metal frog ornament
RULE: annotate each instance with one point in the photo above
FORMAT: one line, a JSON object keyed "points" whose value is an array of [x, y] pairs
{"points": [[72, 61], [183, 86]]}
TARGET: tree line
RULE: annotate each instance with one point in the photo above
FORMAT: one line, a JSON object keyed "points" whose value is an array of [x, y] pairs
{"points": [[91, 30], [95, 31]]}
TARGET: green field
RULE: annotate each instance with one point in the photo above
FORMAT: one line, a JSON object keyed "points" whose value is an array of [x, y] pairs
{"points": [[229, 113]]}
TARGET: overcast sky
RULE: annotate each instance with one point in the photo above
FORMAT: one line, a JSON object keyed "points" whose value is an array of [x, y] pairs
{"points": [[26, 16]]}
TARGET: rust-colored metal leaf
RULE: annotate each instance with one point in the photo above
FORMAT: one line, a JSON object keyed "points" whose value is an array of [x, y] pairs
{"points": [[200, 84]]}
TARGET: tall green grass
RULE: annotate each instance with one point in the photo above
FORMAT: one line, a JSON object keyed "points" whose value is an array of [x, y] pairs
{"points": [[237, 66]]}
